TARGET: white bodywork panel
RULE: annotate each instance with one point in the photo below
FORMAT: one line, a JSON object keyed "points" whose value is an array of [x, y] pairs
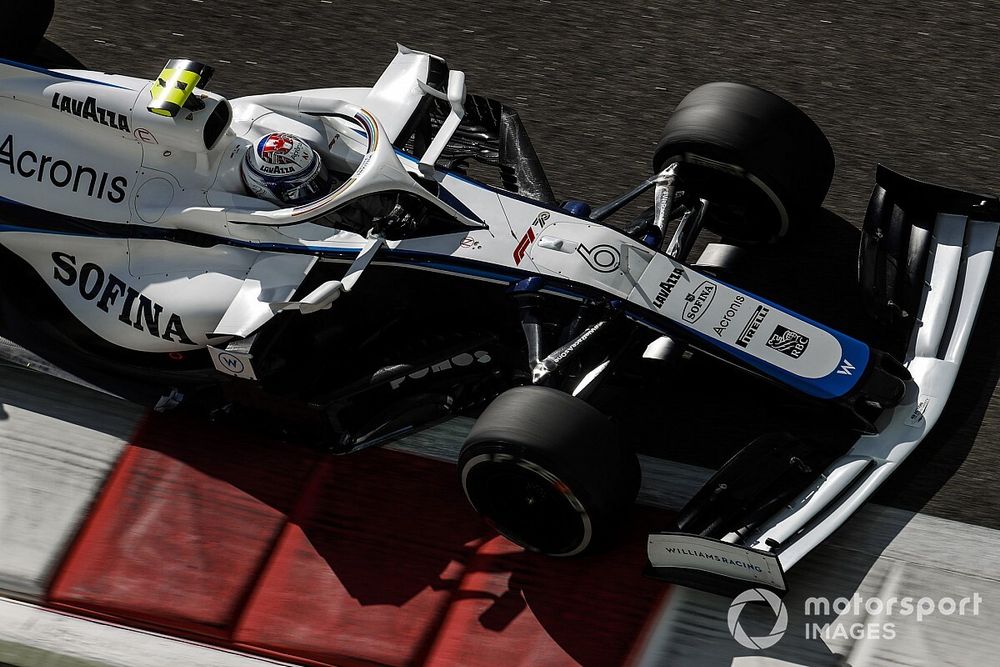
{"points": [[273, 278], [44, 161], [156, 313]]}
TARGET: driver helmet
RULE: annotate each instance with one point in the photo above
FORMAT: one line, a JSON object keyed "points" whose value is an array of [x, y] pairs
{"points": [[284, 169]]}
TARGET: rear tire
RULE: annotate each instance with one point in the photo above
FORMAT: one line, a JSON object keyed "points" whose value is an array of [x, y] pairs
{"points": [[760, 161], [22, 25], [548, 471]]}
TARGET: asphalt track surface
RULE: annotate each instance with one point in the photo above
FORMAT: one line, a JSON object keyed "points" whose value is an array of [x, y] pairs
{"points": [[912, 85]]}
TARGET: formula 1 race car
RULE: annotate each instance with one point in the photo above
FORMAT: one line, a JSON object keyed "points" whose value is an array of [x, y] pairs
{"points": [[134, 259]]}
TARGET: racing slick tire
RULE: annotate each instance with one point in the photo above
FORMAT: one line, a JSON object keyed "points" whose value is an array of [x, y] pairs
{"points": [[22, 24], [759, 160], [548, 471]]}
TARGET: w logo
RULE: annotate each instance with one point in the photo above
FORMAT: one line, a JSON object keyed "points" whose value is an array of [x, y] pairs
{"points": [[232, 363]]}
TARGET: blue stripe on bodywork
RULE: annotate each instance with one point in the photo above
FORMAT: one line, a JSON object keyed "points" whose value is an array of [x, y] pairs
{"points": [[58, 75], [835, 384], [828, 387], [122, 231], [831, 386], [32, 230], [453, 201], [460, 269]]}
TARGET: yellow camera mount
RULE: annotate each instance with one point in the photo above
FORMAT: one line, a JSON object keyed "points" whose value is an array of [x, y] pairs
{"points": [[172, 90]]}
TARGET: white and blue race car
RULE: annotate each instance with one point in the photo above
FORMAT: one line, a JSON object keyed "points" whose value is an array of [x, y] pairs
{"points": [[134, 259]]}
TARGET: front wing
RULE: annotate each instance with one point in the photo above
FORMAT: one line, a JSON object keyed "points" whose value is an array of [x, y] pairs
{"points": [[959, 254]]}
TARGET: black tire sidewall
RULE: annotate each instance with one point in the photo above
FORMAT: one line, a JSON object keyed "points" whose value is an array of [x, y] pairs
{"points": [[758, 131], [571, 441], [595, 512]]}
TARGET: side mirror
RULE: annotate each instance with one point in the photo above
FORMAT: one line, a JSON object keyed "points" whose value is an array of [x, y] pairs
{"points": [[455, 96], [323, 296]]}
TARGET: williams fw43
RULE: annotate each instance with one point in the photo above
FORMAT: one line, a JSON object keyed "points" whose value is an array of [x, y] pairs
{"points": [[136, 258]]}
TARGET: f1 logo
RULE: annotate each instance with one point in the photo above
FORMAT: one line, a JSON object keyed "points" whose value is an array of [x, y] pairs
{"points": [[522, 247]]}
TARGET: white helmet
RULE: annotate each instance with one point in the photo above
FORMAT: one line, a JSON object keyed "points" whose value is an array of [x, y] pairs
{"points": [[284, 169]]}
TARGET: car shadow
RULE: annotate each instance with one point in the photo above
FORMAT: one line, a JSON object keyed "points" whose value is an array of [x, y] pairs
{"points": [[384, 532], [50, 55], [389, 544], [47, 397]]}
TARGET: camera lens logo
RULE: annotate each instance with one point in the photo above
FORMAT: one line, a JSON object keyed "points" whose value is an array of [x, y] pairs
{"points": [[780, 622]]}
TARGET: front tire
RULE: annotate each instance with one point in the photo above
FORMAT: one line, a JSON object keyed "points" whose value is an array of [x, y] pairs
{"points": [[760, 160], [22, 25], [548, 471]]}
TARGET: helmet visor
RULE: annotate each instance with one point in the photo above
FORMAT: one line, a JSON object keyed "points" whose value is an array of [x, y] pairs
{"points": [[303, 191]]}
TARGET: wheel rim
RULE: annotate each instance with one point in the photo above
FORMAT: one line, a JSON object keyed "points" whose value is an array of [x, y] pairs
{"points": [[771, 203], [527, 504]]}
